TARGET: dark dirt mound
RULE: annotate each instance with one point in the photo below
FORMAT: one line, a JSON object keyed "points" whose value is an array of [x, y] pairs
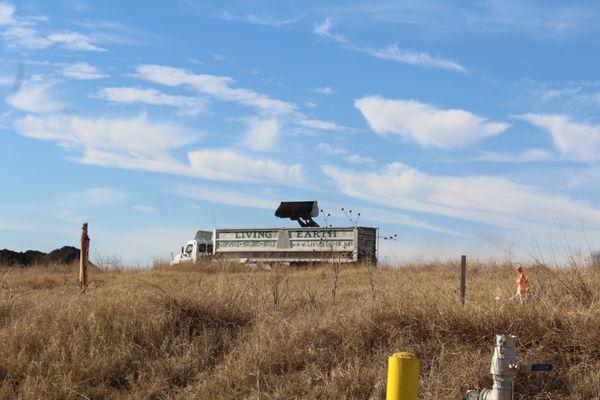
{"points": [[8, 257], [33, 257], [64, 255]]}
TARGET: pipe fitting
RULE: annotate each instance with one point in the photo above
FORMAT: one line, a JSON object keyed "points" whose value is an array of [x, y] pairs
{"points": [[504, 368]]}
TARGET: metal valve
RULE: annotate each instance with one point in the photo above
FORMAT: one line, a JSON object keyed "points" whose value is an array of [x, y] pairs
{"points": [[504, 369]]}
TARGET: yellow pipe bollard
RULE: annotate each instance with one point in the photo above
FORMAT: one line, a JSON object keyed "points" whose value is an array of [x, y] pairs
{"points": [[403, 377]]}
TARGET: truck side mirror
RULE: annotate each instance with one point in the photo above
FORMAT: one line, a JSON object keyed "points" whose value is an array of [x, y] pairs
{"points": [[181, 249]]}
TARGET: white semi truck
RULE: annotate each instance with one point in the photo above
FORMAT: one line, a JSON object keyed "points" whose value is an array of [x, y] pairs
{"points": [[307, 244]]}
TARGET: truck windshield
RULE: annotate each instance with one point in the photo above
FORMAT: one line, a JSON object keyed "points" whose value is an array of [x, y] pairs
{"points": [[189, 248]]}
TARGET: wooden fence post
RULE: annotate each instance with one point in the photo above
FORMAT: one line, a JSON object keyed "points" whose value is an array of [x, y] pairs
{"points": [[463, 282], [83, 258]]}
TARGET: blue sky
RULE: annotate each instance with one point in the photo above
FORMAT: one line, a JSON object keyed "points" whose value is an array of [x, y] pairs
{"points": [[466, 127]]}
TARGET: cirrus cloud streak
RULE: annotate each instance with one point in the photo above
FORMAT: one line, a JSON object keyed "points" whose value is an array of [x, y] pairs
{"points": [[491, 200]]}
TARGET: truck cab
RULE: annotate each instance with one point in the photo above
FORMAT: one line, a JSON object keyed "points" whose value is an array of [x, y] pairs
{"points": [[195, 250]]}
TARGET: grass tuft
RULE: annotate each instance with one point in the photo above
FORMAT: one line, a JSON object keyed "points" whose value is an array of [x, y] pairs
{"points": [[224, 331]]}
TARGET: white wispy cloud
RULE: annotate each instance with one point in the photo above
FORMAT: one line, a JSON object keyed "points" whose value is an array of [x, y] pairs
{"points": [[75, 41], [421, 59], [121, 94], [558, 20], [486, 199], [221, 57], [262, 134], [575, 141], [324, 28], [358, 159], [579, 99], [257, 20], [7, 14], [30, 38], [25, 37], [27, 32], [138, 143], [555, 20], [326, 90], [82, 71], [221, 87], [125, 142], [525, 156], [319, 124], [229, 165], [425, 124], [391, 52], [397, 12], [330, 150], [10, 17], [35, 95]]}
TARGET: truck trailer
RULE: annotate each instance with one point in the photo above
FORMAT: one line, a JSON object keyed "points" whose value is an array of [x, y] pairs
{"points": [[308, 243]]}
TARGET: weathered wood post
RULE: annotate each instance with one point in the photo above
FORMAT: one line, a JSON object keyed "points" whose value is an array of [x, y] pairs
{"points": [[463, 282], [83, 258]]}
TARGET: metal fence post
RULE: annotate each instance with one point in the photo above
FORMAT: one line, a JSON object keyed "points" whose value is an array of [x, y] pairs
{"points": [[463, 280]]}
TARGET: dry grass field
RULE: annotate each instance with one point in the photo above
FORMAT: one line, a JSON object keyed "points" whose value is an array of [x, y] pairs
{"points": [[223, 332]]}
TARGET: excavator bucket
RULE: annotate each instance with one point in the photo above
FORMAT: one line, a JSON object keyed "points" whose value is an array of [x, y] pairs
{"points": [[300, 211]]}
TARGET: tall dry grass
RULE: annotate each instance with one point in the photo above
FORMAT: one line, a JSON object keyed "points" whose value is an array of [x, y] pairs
{"points": [[223, 332]]}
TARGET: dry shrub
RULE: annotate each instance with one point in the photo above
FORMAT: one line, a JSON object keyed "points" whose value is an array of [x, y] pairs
{"points": [[221, 332]]}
